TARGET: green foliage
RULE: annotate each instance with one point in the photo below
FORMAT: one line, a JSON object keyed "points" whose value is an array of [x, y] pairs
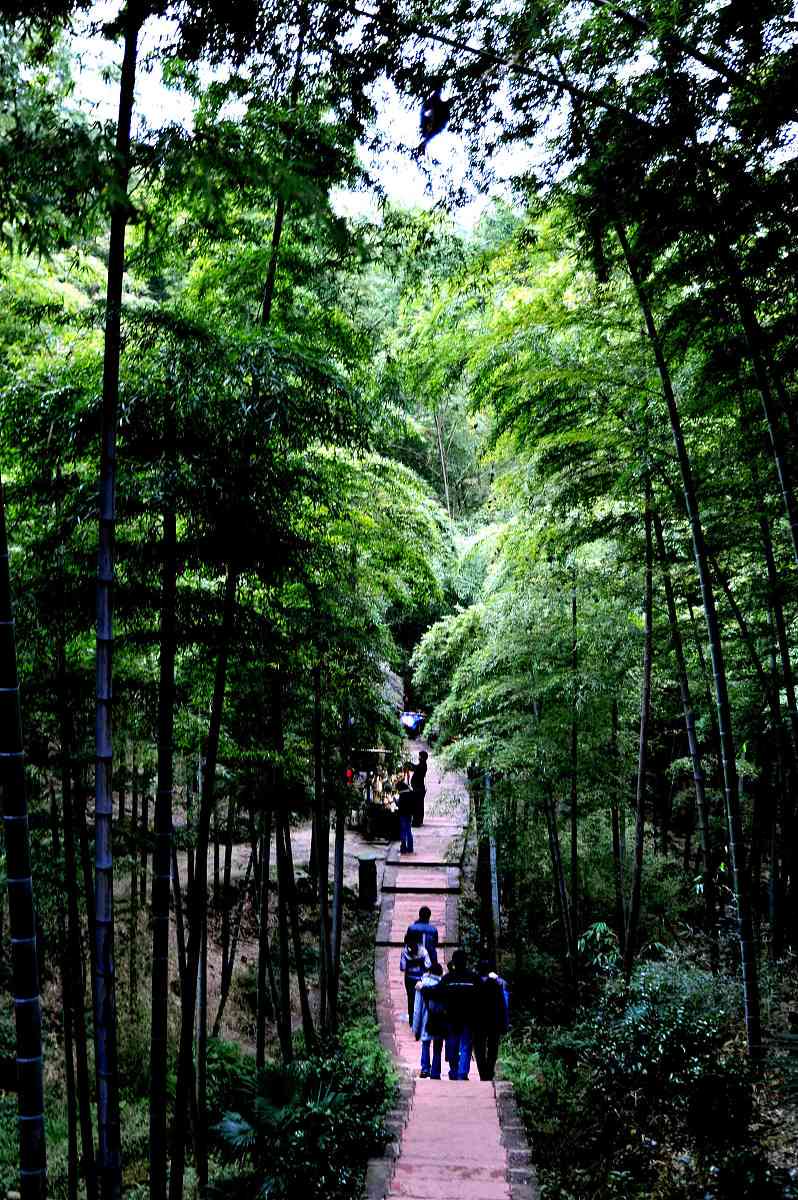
{"points": [[648, 1067], [307, 1129], [231, 1075]]}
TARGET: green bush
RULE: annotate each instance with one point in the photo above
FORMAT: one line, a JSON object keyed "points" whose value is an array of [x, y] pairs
{"points": [[231, 1076], [647, 1068], [306, 1130], [660, 1043]]}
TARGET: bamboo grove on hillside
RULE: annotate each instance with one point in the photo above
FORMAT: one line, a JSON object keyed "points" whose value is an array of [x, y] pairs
{"points": [[255, 452]]}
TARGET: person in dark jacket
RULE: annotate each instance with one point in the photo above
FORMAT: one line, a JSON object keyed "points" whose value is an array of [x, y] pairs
{"points": [[427, 932], [418, 784], [405, 802], [491, 1018], [414, 964], [458, 991]]}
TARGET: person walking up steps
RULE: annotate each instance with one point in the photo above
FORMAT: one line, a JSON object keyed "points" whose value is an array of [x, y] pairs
{"points": [[429, 1021], [405, 802], [415, 962], [458, 991], [427, 933], [419, 787]]}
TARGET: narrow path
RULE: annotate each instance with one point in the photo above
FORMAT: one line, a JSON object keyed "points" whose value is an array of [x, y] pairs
{"points": [[451, 1147]]}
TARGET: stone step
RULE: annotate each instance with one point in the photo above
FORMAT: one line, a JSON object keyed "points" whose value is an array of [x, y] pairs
{"points": [[417, 859], [421, 881], [417, 1187]]}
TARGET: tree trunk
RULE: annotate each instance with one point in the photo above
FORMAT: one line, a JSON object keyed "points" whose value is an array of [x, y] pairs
{"points": [[180, 925], [190, 781], [226, 897], [217, 874], [284, 1025], [235, 926], [265, 965], [574, 767], [633, 919], [68, 1005], [699, 779], [729, 764], [779, 623], [145, 836], [322, 830], [560, 886], [442, 453], [109, 1158], [83, 793], [134, 891], [201, 1120], [21, 909], [199, 894], [72, 937], [338, 904], [76, 959], [285, 861], [731, 786], [772, 406], [164, 836], [615, 817]]}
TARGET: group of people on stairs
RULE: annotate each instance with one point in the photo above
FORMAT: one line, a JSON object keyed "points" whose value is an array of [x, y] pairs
{"points": [[461, 1012]]}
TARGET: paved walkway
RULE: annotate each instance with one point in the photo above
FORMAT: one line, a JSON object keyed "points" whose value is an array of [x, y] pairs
{"points": [[451, 1147]]}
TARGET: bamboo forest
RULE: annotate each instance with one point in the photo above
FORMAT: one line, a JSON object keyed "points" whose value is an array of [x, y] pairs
{"points": [[398, 600]]}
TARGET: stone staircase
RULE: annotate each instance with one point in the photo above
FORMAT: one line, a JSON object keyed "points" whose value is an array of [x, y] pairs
{"points": [[453, 1140]]}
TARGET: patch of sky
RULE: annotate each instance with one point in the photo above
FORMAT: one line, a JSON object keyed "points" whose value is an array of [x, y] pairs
{"points": [[400, 177]]}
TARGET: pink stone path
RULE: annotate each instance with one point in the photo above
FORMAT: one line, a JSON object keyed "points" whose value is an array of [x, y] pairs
{"points": [[451, 1147]]}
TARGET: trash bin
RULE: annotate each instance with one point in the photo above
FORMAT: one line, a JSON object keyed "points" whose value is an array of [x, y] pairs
{"points": [[367, 880]]}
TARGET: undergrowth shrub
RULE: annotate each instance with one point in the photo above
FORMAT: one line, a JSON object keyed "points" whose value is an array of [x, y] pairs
{"points": [[648, 1067], [307, 1129]]}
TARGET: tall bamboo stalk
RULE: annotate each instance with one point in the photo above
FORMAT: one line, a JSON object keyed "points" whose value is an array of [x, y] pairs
{"points": [[699, 778], [235, 928], [68, 1004], [560, 886], [21, 909], [574, 765], [226, 891], [72, 941], [265, 964], [109, 1157], [164, 835], [321, 823], [633, 916], [199, 893], [725, 731], [296, 933], [615, 819], [728, 760]]}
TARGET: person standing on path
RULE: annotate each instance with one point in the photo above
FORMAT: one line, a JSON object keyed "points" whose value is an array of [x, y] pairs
{"points": [[429, 1022], [491, 1018], [414, 963], [428, 933], [458, 991], [405, 801], [418, 784]]}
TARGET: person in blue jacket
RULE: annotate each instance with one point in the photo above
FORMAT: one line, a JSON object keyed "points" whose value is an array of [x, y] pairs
{"points": [[427, 932], [429, 1021]]}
